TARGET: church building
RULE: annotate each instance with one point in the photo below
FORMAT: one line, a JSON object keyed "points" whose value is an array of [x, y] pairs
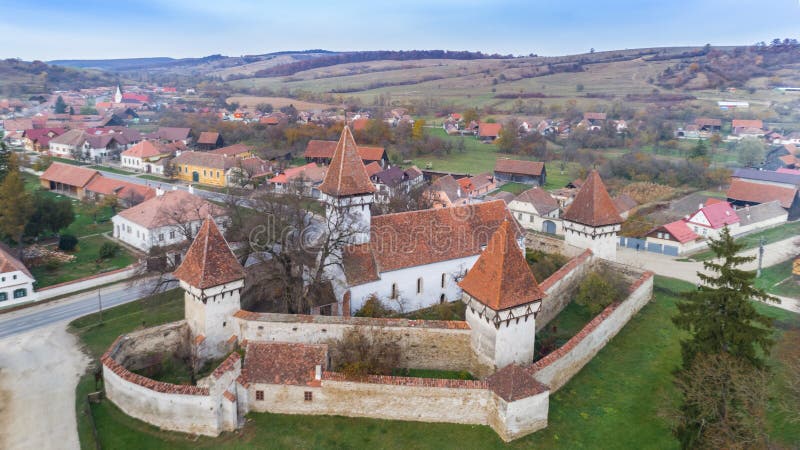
{"points": [[408, 260]]}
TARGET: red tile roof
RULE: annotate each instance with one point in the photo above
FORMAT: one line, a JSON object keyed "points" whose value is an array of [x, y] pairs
{"points": [[513, 383], [205, 159], [325, 149], [359, 124], [208, 137], [209, 261], [373, 168], [532, 168], [310, 172], [169, 209], [501, 278], [746, 191], [594, 116], [69, 175], [359, 264], [489, 129], [145, 149], [8, 263], [592, 205], [120, 189], [283, 363], [624, 203], [232, 150], [707, 121], [346, 174], [680, 231], [719, 214], [742, 123]]}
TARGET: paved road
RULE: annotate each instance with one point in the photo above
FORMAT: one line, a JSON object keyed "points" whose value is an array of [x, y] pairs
{"points": [[210, 195], [69, 308], [774, 253]]}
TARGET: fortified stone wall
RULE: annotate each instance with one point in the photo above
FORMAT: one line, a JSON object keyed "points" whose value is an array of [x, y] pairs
{"points": [[188, 409], [557, 368], [561, 286], [425, 344]]}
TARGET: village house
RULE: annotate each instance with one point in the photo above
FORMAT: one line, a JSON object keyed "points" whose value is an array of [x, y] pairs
{"points": [[248, 171], [708, 125], [537, 210], [209, 140], [445, 192], [235, 150], [304, 180], [747, 128], [203, 167], [16, 281], [752, 187], [395, 181], [127, 194], [169, 218], [321, 152], [527, 172], [67, 179], [171, 134], [38, 139], [478, 185], [592, 121], [712, 217], [146, 156], [489, 132], [68, 144], [673, 239], [625, 204]]}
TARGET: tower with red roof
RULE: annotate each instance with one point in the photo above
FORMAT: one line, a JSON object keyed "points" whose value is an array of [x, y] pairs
{"points": [[502, 298], [347, 191], [592, 220], [212, 280]]}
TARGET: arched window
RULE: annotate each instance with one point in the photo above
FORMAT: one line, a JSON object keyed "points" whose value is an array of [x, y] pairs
{"points": [[419, 285], [441, 299], [394, 291]]}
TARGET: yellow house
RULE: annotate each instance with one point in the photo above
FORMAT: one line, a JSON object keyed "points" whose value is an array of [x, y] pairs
{"points": [[203, 168]]}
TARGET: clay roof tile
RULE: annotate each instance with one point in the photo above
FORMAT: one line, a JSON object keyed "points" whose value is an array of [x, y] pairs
{"points": [[592, 205], [209, 261]]}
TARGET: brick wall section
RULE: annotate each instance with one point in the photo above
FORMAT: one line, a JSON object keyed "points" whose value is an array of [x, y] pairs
{"points": [[364, 321], [558, 367], [560, 285]]}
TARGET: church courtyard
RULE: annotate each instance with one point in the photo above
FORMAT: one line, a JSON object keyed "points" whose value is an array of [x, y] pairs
{"points": [[629, 381]]}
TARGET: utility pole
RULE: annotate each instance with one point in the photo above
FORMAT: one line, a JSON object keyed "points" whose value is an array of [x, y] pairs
{"points": [[761, 243], [100, 305]]}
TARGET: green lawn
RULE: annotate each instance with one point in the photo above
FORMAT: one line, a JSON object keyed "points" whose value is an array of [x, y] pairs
{"points": [[612, 403], [157, 178], [514, 188], [562, 328], [67, 161], [771, 235], [778, 280], [85, 264], [112, 170], [428, 373]]}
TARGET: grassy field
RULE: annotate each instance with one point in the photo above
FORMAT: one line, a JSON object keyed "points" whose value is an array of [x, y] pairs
{"points": [[278, 102], [563, 327], [778, 280], [85, 223], [771, 235], [514, 188], [612, 403], [86, 263]]}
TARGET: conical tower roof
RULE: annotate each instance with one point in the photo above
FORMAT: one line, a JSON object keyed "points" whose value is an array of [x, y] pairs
{"points": [[593, 206], [346, 174], [501, 278], [209, 261]]}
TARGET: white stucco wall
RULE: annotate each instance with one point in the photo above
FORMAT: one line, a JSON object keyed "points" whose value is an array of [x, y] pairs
{"points": [[144, 239], [521, 417], [406, 281], [214, 318], [510, 342], [530, 219], [602, 241], [16, 281]]}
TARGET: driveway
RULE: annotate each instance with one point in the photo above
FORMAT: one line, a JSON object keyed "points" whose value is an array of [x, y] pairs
{"points": [[38, 373], [668, 266]]}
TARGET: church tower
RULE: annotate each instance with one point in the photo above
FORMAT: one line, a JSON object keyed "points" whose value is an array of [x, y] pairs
{"points": [[348, 191], [502, 298], [592, 221], [118, 94], [212, 280]]}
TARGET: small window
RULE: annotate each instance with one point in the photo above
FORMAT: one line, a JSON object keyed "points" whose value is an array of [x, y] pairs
{"points": [[3, 296], [419, 285], [161, 236], [218, 174], [13, 277], [308, 396], [444, 279], [519, 216], [259, 395], [394, 291], [19, 293], [172, 234]]}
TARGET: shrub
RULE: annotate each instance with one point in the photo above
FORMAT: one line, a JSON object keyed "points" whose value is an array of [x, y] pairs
{"points": [[600, 288], [108, 250], [544, 264], [373, 307], [67, 242], [357, 355]]}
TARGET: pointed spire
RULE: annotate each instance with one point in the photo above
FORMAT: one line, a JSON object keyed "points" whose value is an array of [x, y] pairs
{"points": [[346, 174], [501, 278], [209, 261], [593, 206]]}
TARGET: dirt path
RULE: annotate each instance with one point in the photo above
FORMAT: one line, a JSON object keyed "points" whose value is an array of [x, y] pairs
{"points": [[38, 373]]}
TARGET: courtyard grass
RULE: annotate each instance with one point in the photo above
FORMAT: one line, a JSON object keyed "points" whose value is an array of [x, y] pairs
{"points": [[750, 241], [439, 374], [86, 263], [514, 188], [85, 223], [778, 280], [562, 328], [612, 403]]}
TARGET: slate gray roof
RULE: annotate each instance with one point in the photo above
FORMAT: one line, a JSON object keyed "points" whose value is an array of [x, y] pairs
{"points": [[766, 175], [760, 213]]}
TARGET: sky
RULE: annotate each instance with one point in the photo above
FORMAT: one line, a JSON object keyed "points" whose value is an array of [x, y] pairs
{"points": [[90, 29]]}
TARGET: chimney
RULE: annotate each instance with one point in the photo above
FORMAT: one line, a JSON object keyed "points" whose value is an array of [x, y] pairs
{"points": [[159, 191], [700, 207], [318, 372]]}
